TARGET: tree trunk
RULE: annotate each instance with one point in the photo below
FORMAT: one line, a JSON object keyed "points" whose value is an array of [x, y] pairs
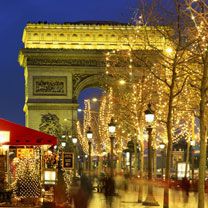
{"points": [[170, 142], [135, 157], [187, 158], [167, 171], [141, 158], [154, 159], [118, 165], [141, 155], [203, 134], [100, 165]]}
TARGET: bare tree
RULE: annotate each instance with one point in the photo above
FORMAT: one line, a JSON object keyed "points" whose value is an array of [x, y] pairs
{"points": [[170, 66], [197, 11]]}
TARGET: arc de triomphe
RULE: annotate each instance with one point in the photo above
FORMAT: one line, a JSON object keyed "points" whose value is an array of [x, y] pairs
{"points": [[60, 60]]}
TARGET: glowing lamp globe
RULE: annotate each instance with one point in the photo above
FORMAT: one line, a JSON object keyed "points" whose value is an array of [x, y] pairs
{"points": [[63, 144], [162, 145], [192, 142], [149, 114], [74, 140], [89, 134], [112, 127]]}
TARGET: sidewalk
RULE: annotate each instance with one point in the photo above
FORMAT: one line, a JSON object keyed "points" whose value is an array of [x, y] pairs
{"points": [[128, 199]]}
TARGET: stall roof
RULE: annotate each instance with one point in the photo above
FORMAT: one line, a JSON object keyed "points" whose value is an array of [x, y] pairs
{"points": [[21, 135]]}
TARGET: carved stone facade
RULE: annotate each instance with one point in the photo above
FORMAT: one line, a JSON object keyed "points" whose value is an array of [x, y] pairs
{"points": [[91, 36], [54, 79], [60, 60], [49, 86]]}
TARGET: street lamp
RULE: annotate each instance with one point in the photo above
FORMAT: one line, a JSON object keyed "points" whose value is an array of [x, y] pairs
{"points": [[74, 141], [149, 118], [162, 145], [162, 148], [63, 144], [112, 129], [89, 137], [60, 149]]}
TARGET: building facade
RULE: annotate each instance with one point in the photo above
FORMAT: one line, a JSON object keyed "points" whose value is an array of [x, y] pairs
{"points": [[60, 60]]}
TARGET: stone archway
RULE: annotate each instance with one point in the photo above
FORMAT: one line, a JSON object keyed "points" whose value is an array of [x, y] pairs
{"points": [[54, 79], [60, 60], [89, 81]]}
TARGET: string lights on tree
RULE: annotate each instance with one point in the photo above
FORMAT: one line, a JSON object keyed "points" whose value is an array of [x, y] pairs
{"points": [[27, 184]]}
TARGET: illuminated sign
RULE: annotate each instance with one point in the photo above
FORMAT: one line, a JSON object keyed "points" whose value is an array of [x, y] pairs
{"points": [[4, 137], [181, 167], [25, 153], [50, 177], [68, 160]]}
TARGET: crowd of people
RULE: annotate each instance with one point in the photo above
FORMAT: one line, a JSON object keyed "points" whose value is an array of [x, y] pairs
{"points": [[82, 190]]}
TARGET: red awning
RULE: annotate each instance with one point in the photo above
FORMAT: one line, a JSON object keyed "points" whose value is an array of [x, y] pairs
{"points": [[21, 135]]}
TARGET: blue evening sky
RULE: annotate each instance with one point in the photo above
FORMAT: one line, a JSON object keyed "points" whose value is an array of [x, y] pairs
{"points": [[14, 16]]}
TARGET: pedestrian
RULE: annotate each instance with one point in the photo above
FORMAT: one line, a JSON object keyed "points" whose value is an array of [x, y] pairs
{"points": [[84, 193], [109, 190], [101, 182], [86, 185], [126, 181], [185, 186]]}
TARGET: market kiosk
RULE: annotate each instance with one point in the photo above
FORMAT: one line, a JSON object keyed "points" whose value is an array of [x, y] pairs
{"points": [[21, 161]]}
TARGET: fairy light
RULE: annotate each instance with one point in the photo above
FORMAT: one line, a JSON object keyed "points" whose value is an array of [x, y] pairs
{"points": [[137, 96], [145, 91], [169, 50], [82, 139], [122, 82], [27, 182]]}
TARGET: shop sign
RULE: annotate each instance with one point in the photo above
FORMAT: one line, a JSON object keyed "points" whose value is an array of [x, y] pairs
{"points": [[50, 177], [4, 137], [25, 153], [181, 167], [68, 160]]}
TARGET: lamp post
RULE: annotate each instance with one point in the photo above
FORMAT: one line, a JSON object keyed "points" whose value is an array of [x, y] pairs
{"points": [[60, 151], [85, 163], [89, 137], [162, 148], [112, 129], [149, 117], [60, 179], [74, 141], [192, 144]]}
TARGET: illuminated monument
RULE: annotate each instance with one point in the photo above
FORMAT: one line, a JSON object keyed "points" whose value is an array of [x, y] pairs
{"points": [[60, 60]]}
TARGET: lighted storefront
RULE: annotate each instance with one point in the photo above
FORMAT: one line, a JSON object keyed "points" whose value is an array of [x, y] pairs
{"points": [[22, 152]]}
